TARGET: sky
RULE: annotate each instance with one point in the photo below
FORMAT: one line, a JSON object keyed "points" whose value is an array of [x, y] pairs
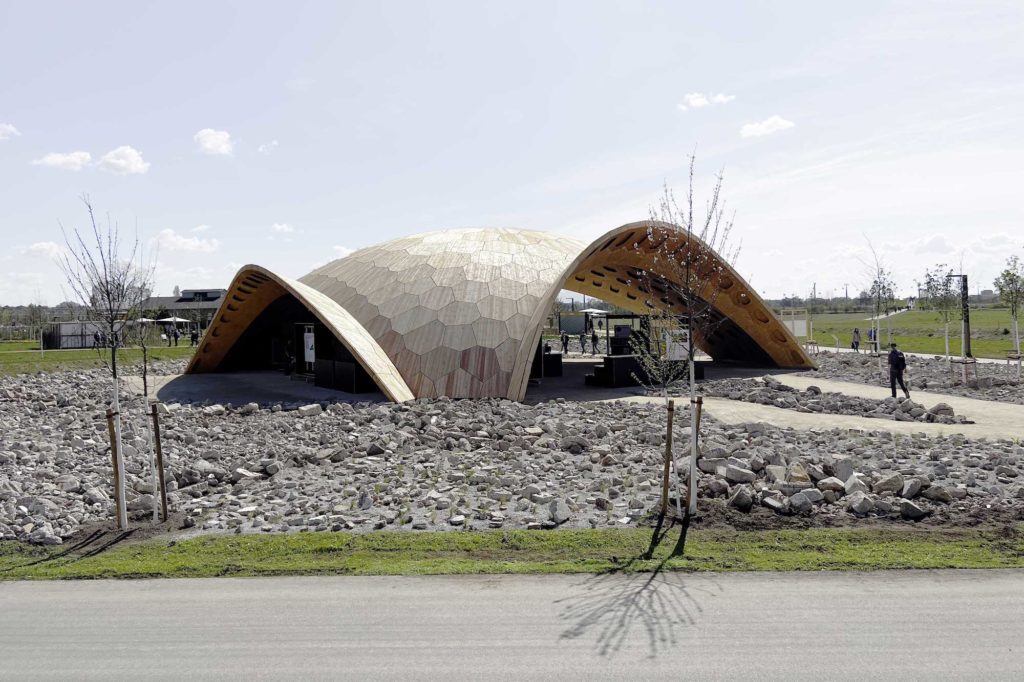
{"points": [[290, 134]]}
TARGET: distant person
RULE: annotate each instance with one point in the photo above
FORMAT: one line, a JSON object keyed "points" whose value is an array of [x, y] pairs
{"points": [[583, 343], [593, 342], [897, 365], [96, 340], [194, 337], [856, 340], [565, 343], [177, 335]]}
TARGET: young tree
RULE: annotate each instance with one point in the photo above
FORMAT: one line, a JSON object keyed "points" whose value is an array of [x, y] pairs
{"points": [[942, 296], [1010, 285], [683, 281], [881, 293], [112, 280]]}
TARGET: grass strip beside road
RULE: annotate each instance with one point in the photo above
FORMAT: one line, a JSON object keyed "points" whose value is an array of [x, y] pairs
{"points": [[516, 551], [30, 362]]}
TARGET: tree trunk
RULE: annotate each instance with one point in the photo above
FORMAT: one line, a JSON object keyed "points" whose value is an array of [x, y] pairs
{"points": [[693, 436], [122, 509], [666, 474], [947, 342]]}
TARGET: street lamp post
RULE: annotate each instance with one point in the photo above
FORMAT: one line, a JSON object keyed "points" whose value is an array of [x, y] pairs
{"points": [[965, 307]]}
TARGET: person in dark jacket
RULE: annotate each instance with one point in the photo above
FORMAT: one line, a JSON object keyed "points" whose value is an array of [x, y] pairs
{"points": [[565, 343], [897, 365], [593, 342], [583, 343]]}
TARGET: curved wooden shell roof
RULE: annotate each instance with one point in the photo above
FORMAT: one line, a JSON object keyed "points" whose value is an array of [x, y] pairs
{"points": [[459, 312], [253, 289]]}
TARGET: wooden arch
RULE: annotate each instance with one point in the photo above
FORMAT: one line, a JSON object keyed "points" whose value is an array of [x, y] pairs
{"points": [[253, 289], [612, 269]]}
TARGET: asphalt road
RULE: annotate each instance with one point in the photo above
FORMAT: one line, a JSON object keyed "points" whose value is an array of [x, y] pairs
{"points": [[898, 625]]}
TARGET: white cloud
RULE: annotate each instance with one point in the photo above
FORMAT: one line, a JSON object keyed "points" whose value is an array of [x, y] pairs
{"points": [[282, 228], [766, 127], [267, 147], [49, 250], [200, 228], [173, 241], [124, 160], [697, 100], [216, 142], [72, 161], [342, 251], [7, 131]]}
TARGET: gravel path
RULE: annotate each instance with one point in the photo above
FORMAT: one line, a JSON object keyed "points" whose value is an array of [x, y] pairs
{"points": [[994, 381]]}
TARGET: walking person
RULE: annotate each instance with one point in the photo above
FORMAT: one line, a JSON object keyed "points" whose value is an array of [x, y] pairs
{"points": [[177, 335], [897, 365], [856, 340], [565, 343], [194, 337], [583, 343], [593, 342]]}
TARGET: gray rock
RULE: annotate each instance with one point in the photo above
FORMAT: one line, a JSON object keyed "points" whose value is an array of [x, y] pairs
{"points": [[574, 444], [775, 504], [859, 503], [891, 484], [942, 409], [309, 410], [735, 474], [800, 504], [832, 483], [911, 511], [911, 487], [742, 499], [938, 493], [560, 512], [855, 485], [141, 503]]}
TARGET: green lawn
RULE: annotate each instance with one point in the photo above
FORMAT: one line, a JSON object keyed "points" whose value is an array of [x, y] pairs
{"points": [[922, 331], [27, 361], [6, 346], [558, 551]]}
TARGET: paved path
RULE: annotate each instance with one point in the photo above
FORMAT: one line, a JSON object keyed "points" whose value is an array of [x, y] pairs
{"points": [[814, 626], [993, 419]]}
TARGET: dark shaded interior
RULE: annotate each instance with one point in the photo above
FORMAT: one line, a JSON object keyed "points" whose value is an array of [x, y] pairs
{"points": [[276, 341]]}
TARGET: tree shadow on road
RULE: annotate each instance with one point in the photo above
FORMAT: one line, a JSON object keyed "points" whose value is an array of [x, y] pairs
{"points": [[619, 605]]}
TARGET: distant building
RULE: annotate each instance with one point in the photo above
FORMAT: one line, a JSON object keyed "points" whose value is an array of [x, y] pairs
{"points": [[195, 305]]}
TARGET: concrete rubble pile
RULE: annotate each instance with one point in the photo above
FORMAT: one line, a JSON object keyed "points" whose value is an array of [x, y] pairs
{"points": [[443, 464], [769, 391]]}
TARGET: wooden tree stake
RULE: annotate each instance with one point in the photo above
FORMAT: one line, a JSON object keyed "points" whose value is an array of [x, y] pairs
{"points": [[159, 463], [668, 458], [113, 460]]}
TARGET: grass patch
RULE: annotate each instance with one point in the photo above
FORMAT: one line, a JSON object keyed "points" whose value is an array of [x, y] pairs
{"points": [[30, 362], [517, 551], [920, 331]]}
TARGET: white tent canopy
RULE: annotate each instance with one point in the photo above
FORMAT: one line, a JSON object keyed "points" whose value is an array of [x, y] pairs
{"points": [[594, 311], [173, 320]]}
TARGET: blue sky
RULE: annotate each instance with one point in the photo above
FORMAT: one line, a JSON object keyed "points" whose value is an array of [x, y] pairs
{"points": [[287, 134]]}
